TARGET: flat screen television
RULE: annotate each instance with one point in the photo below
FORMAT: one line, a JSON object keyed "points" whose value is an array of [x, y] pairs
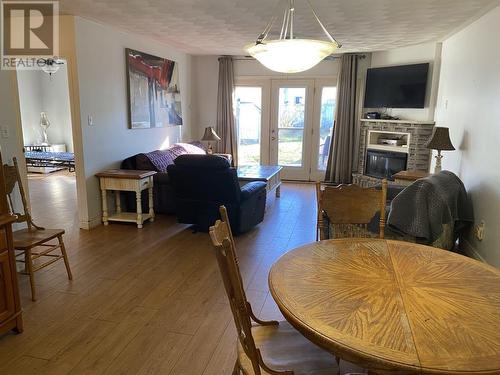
{"points": [[396, 86]]}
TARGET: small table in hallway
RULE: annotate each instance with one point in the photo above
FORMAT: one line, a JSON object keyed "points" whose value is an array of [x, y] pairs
{"points": [[393, 307], [270, 174], [127, 180]]}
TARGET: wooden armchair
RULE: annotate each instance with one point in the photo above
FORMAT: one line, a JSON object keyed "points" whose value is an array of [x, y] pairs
{"points": [[33, 237], [268, 348], [346, 210]]}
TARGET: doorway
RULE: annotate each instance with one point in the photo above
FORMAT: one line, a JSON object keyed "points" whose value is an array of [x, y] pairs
{"points": [[46, 122], [286, 122]]}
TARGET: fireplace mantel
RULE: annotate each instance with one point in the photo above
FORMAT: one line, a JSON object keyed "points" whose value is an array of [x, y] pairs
{"points": [[419, 157], [411, 122]]}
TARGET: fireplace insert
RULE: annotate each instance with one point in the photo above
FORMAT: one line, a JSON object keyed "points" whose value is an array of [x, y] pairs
{"points": [[384, 164]]}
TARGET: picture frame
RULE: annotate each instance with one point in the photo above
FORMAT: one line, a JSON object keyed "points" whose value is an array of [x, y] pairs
{"points": [[153, 91]]}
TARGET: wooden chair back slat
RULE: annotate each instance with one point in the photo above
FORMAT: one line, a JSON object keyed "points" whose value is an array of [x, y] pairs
{"points": [[13, 177], [227, 260], [348, 209]]}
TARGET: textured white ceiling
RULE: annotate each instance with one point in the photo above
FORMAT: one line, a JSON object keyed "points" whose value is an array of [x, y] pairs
{"points": [[225, 26]]}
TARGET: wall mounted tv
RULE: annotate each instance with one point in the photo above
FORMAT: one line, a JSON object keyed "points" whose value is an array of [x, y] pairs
{"points": [[396, 86]]}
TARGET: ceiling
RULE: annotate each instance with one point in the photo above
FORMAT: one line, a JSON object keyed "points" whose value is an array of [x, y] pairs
{"points": [[219, 27]]}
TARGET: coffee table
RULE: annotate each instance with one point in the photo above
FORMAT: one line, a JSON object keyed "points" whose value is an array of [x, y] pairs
{"points": [[270, 174]]}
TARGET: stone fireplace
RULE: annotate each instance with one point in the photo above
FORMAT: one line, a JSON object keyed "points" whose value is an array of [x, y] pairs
{"points": [[391, 145]]}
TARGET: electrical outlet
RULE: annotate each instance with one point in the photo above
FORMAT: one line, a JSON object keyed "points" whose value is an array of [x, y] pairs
{"points": [[479, 230]]}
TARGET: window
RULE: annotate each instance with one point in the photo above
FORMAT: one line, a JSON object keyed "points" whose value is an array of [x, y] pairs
{"points": [[328, 98], [248, 108]]}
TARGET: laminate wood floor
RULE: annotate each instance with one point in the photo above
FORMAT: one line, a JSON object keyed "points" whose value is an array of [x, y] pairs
{"points": [[144, 301]]}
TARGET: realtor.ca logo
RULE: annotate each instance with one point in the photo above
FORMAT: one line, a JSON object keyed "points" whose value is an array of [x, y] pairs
{"points": [[30, 34]]}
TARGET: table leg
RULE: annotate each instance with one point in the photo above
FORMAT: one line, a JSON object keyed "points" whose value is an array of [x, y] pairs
{"points": [[278, 191], [151, 204], [139, 208], [118, 202], [104, 207]]}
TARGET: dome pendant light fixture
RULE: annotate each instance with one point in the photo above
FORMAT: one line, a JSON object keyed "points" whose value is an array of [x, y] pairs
{"points": [[289, 54]]}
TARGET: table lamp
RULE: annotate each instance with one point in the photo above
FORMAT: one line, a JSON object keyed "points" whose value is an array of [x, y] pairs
{"points": [[209, 136], [440, 141]]}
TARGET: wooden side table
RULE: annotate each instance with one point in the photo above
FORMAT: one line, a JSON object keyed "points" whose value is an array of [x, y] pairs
{"points": [[409, 177], [126, 180]]}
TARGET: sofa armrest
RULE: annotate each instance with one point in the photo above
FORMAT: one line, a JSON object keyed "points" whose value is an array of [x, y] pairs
{"points": [[161, 178], [251, 189]]}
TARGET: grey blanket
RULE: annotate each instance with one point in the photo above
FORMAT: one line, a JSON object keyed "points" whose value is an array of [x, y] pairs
{"points": [[422, 208]]}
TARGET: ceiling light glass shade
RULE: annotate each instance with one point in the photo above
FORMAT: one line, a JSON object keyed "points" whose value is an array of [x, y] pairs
{"points": [[291, 55]]}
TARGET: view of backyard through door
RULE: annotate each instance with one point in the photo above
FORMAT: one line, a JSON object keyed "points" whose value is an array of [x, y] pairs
{"points": [[288, 123]]}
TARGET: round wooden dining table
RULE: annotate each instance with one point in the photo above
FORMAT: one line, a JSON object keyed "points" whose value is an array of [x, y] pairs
{"points": [[393, 307]]}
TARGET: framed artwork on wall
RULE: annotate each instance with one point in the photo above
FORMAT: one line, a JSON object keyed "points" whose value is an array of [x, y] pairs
{"points": [[154, 97]]}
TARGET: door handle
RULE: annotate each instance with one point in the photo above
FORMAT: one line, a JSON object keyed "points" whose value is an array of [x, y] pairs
{"points": [[273, 138]]}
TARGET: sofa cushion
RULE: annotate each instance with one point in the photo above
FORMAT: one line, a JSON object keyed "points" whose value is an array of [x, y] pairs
{"points": [[143, 163], [193, 148], [213, 162], [198, 144], [159, 160]]}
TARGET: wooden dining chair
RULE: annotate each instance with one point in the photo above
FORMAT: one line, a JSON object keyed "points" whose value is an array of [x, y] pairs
{"points": [[33, 243], [346, 210], [266, 347]]}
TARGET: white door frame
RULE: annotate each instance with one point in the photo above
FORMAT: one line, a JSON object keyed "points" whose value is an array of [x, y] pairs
{"points": [[265, 85], [313, 106], [319, 83], [289, 172]]}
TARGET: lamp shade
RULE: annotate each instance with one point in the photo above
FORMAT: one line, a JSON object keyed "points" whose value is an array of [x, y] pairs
{"points": [[210, 135], [291, 55], [440, 140]]}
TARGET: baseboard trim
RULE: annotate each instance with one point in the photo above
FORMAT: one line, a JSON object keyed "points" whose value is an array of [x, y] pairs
{"points": [[469, 250], [90, 224]]}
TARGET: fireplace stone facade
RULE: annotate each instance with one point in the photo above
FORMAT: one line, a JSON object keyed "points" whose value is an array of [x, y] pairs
{"points": [[419, 157]]}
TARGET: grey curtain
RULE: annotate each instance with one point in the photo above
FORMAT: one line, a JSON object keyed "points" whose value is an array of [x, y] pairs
{"points": [[343, 147], [225, 126]]}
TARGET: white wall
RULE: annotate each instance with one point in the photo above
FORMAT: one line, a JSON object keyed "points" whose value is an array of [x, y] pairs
{"points": [[205, 82], [30, 101], [421, 53], [39, 92], [10, 136], [469, 104], [103, 95]]}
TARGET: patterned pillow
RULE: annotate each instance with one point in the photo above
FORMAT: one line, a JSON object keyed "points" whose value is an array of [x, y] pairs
{"points": [[160, 159], [163, 158]]}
